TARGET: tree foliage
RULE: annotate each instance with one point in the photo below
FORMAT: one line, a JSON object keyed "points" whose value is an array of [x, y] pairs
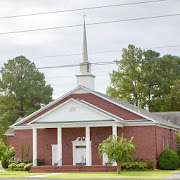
{"points": [[118, 149], [168, 160], [145, 79], [23, 90], [3, 149]]}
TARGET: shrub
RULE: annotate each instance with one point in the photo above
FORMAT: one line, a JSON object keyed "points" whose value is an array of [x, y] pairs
{"points": [[150, 163], [40, 162], [27, 167], [4, 163], [7, 158], [12, 166], [19, 166], [168, 160], [134, 165]]}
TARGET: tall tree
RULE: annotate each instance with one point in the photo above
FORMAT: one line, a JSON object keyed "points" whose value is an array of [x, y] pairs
{"points": [[126, 81], [150, 77], [147, 80], [23, 89]]}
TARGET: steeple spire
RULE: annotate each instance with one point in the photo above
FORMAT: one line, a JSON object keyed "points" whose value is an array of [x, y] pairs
{"points": [[84, 52], [85, 78]]}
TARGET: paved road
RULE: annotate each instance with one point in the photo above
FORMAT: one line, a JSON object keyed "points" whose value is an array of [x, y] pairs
{"points": [[174, 177]]}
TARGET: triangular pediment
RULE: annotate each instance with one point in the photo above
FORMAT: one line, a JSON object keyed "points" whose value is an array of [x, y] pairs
{"points": [[73, 111]]}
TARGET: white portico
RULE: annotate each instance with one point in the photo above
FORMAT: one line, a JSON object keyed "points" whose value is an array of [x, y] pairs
{"points": [[74, 114]]}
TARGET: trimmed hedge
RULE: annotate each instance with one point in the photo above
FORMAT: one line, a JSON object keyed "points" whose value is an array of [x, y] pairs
{"points": [[134, 165], [168, 160], [20, 166]]}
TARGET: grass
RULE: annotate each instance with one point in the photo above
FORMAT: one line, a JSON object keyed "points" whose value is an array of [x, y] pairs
{"points": [[14, 174], [125, 174]]}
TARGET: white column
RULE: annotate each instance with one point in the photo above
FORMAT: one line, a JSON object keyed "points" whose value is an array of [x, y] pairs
{"points": [[34, 146], [114, 130], [88, 147], [59, 142]]}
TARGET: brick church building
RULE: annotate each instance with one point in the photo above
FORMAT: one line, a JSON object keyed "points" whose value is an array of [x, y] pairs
{"points": [[67, 132]]}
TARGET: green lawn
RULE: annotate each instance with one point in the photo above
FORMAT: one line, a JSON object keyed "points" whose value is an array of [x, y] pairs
{"points": [[124, 174], [13, 174]]}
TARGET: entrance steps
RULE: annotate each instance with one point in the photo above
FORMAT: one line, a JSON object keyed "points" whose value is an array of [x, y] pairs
{"points": [[70, 168]]}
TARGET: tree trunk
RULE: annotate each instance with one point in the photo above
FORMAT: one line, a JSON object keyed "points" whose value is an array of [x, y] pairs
{"points": [[118, 167]]}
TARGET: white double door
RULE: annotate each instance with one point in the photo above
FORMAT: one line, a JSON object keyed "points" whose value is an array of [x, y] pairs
{"points": [[80, 154]]}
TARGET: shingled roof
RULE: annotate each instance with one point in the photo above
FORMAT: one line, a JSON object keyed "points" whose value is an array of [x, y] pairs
{"points": [[158, 117], [173, 116]]}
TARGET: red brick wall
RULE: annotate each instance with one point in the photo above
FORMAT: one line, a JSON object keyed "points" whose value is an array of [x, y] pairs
{"points": [[97, 101], [69, 135], [45, 139], [98, 134], [167, 133], [10, 141], [144, 140], [23, 137]]}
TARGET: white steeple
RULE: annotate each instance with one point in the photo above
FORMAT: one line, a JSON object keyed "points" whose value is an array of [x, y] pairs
{"points": [[85, 78]]}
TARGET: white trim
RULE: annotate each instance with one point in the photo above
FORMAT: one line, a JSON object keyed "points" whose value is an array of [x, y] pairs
{"points": [[90, 91], [73, 125], [75, 143], [9, 134], [94, 124], [81, 103], [45, 107]]}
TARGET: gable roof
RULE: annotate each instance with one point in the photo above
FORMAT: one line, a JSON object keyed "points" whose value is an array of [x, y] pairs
{"points": [[134, 109], [86, 105]]}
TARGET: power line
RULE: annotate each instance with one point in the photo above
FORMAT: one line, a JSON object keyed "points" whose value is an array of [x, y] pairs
{"points": [[90, 24], [70, 77], [75, 65], [81, 9], [100, 52]]}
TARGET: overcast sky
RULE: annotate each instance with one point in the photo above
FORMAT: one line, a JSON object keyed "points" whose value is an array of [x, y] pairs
{"points": [[104, 37]]}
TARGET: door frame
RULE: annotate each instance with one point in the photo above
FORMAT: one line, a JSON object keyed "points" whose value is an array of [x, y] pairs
{"points": [[78, 142]]}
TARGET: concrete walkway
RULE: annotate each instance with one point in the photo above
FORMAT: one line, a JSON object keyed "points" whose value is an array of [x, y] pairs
{"points": [[45, 175], [177, 176]]}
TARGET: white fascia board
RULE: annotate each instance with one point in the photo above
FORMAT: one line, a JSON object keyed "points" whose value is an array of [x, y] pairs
{"points": [[75, 125], [9, 134], [45, 107], [81, 103], [150, 124], [22, 127]]}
